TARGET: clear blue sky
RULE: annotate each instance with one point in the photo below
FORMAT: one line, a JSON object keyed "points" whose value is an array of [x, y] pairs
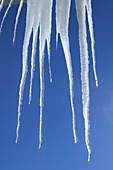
{"points": [[58, 149]]}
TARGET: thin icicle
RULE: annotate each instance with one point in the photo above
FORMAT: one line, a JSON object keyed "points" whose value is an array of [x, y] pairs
{"points": [[1, 5], [48, 47], [41, 60], [34, 43], [45, 33], [24, 69], [90, 21], [49, 38], [17, 17], [62, 21], [6, 14], [80, 8]]}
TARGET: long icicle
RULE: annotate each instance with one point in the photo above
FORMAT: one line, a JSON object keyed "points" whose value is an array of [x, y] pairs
{"points": [[17, 18], [24, 70], [41, 61], [45, 33], [62, 21], [80, 8], [90, 21]]}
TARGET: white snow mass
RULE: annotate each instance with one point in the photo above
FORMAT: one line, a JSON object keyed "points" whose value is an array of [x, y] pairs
{"points": [[39, 14]]}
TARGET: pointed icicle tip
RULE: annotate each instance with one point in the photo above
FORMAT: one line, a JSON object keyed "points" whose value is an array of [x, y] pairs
{"points": [[89, 157]]}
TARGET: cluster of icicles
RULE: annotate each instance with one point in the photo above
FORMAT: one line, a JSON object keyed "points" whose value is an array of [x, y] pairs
{"points": [[39, 14]]}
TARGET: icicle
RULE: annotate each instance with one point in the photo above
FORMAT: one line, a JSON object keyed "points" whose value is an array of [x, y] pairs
{"points": [[34, 43], [45, 32], [90, 21], [48, 38], [17, 17], [5, 14], [24, 70], [1, 5], [80, 8], [41, 60], [62, 21], [48, 48]]}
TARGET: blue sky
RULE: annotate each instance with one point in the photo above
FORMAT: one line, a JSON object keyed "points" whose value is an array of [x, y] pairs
{"points": [[58, 149]]}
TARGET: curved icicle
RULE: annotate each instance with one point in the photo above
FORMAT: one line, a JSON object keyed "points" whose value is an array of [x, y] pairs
{"points": [[80, 8], [17, 18], [62, 21], [9, 6], [1, 5]]}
